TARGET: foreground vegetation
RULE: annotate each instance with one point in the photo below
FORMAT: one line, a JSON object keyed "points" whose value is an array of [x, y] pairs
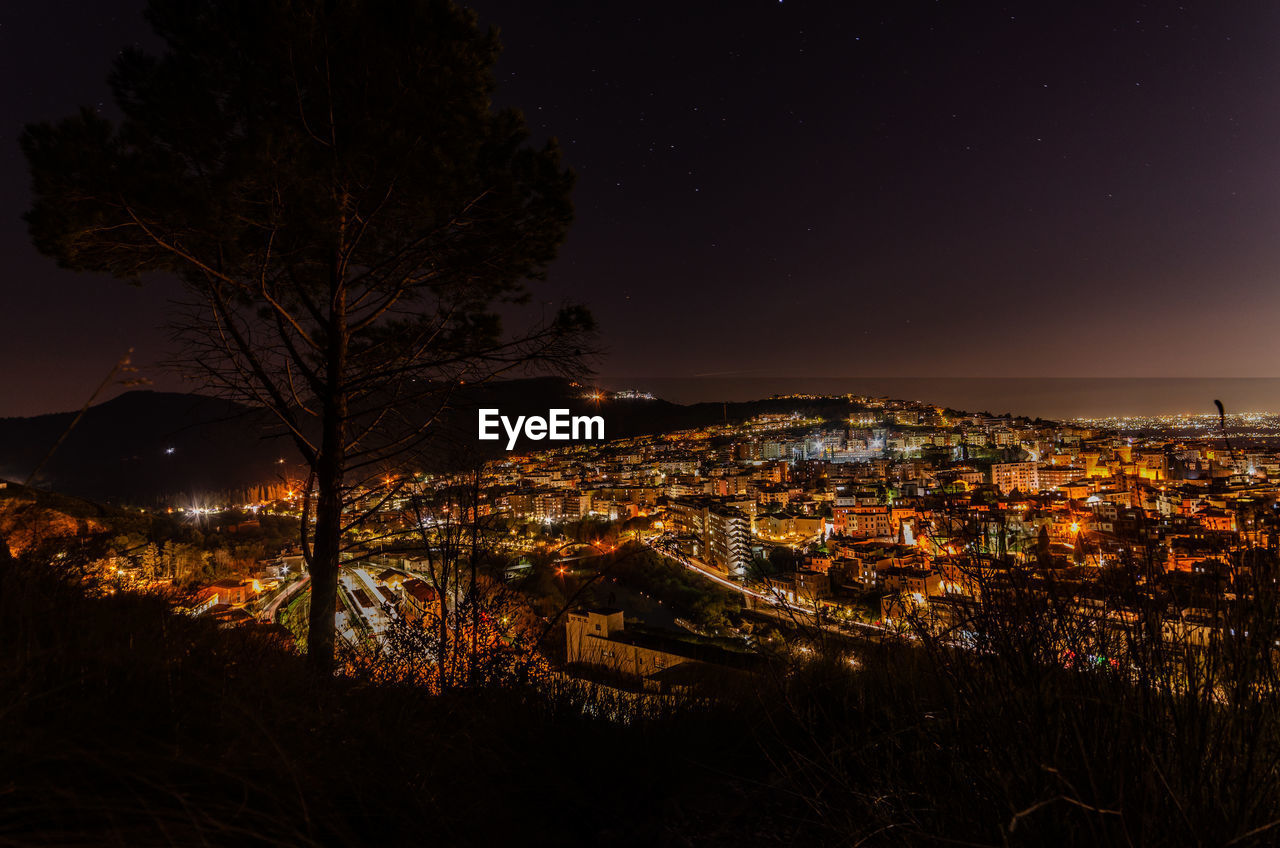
{"points": [[122, 723]]}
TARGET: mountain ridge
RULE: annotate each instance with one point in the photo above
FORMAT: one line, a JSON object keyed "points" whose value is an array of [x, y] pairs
{"points": [[147, 446]]}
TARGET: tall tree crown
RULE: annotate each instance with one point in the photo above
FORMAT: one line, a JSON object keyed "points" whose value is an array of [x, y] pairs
{"points": [[275, 142], [331, 180]]}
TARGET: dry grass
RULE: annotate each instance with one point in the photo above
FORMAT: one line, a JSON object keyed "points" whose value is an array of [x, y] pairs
{"points": [[123, 724]]}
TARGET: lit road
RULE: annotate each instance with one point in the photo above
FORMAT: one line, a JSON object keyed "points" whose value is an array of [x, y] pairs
{"points": [[273, 606], [709, 574], [559, 560], [777, 605]]}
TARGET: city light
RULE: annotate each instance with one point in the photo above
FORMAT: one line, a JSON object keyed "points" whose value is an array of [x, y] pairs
{"points": [[815, 601]]}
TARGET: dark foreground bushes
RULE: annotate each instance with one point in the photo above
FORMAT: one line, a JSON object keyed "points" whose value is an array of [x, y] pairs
{"points": [[123, 724]]}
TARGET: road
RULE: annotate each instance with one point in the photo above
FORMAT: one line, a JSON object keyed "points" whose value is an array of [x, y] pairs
{"points": [[268, 612], [707, 572], [777, 605], [593, 555]]}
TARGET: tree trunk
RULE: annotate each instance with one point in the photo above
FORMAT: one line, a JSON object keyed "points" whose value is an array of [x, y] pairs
{"points": [[325, 559], [442, 645], [330, 469]]}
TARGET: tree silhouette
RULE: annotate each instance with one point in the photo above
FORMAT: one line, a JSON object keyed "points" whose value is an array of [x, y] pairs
{"points": [[348, 211]]}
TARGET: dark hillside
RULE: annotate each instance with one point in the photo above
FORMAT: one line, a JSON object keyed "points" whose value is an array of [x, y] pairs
{"points": [[145, 446], [137, 727], [124, 724]]}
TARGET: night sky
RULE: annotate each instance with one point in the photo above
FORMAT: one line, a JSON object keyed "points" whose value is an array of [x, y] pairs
{"points": [[820, 189]]}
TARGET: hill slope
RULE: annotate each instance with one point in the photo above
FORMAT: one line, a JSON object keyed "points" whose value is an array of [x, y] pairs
{"points": [[143, 446]]}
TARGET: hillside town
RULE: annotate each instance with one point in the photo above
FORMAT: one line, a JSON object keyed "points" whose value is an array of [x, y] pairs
{"points": [[894, 515], [911, 502]]}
